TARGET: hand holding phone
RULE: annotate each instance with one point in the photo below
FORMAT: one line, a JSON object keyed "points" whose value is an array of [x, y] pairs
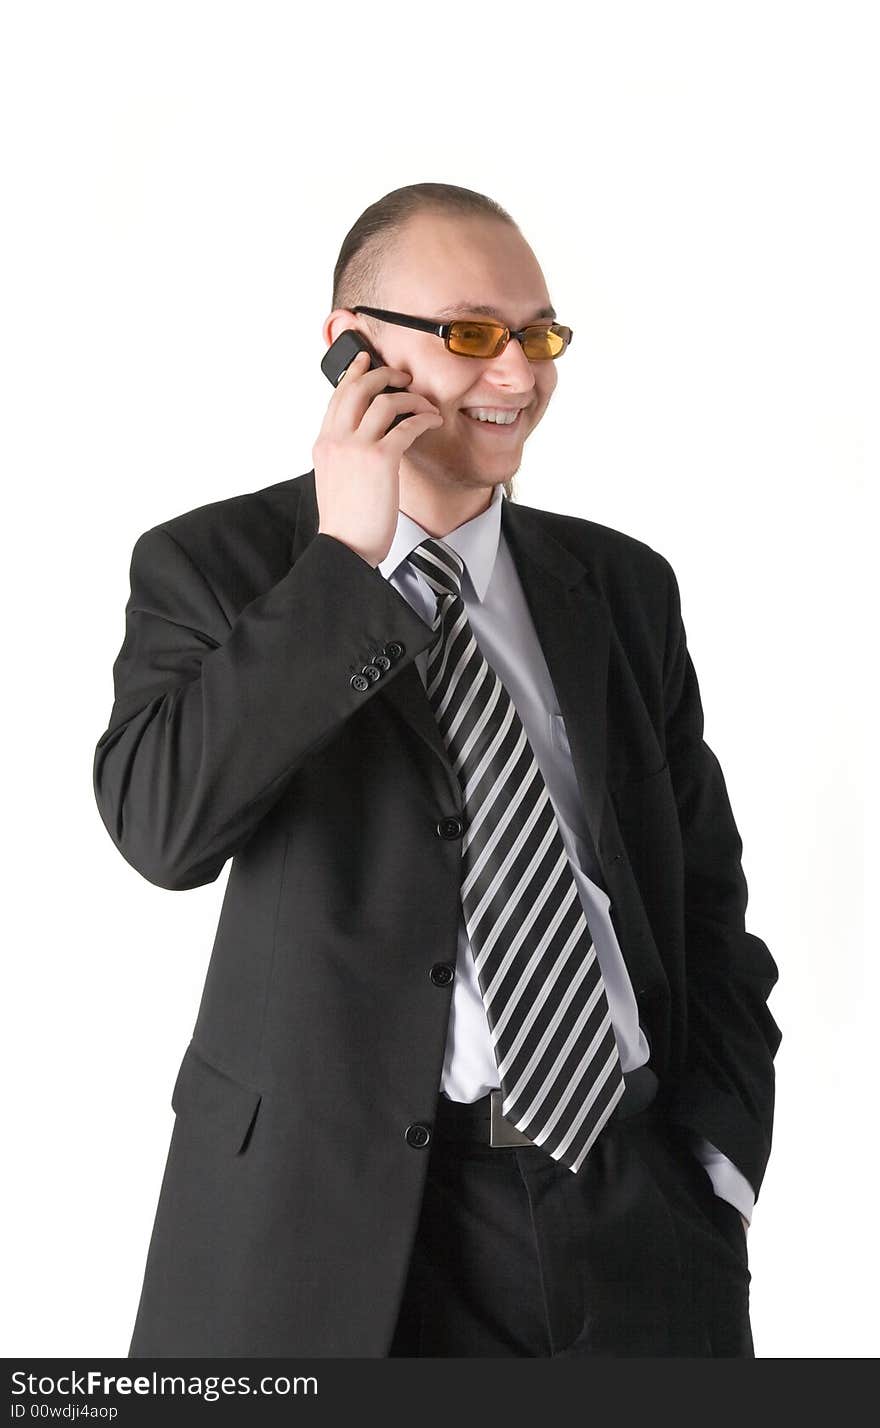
{"points": [[368, 426]]}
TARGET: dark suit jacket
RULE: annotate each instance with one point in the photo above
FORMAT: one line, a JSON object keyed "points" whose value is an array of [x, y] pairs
{"points": [[291, 1193]]}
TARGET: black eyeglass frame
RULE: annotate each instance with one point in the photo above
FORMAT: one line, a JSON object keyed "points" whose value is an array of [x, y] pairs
{"points": [[443, 329]]}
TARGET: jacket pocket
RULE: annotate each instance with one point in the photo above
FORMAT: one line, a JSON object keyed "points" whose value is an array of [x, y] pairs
{"points": [[218, 1104]]}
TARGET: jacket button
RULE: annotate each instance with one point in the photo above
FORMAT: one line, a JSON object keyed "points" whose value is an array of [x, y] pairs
{"points": [[359, 681], [441, 974], [417, 1135], [450, 828], [381, 661], [394, 649], [372, 671]]}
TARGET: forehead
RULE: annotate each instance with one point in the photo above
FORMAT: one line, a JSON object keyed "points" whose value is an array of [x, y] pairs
{"points": [[464, 308], [450, 266]]}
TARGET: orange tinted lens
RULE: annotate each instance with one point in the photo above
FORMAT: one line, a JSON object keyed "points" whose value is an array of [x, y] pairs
{"points": [[476, 339], [540, 343]]}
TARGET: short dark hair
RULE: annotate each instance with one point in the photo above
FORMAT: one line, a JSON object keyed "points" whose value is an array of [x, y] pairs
{"points": [[370, 241]]}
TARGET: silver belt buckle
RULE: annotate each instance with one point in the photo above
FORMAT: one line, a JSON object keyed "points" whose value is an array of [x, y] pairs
{"points": [[501, 1131]]}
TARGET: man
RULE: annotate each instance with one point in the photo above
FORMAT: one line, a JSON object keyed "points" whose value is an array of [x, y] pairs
{"points": [[483, 1064]]}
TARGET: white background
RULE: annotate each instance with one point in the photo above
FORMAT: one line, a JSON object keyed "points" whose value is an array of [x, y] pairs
{"points": [[696, 181]]}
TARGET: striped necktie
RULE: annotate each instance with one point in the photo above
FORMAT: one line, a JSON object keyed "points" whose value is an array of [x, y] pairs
{"points": [[536, 964]]}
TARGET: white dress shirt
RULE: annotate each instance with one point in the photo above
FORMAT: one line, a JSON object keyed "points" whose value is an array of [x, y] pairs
{"points": [[503, 627]]}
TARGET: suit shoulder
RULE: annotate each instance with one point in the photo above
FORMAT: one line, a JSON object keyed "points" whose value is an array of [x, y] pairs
{"points": [[263, 515], [633, 580], [238, 545], [614, 557]]}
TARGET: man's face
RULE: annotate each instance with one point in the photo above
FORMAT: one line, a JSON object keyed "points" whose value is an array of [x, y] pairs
{"points": [[438, 261]]}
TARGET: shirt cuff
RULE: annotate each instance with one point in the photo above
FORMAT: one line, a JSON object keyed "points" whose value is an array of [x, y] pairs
{"points": [[727, 1181]]}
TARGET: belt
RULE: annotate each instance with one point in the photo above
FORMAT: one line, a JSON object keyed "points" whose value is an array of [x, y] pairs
{"points": [[482, 1122]]}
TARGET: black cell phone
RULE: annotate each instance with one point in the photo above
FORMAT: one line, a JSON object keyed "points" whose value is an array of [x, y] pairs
{"points": [[340, 355]]}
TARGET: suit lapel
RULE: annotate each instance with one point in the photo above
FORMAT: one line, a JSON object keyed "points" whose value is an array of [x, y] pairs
{"points": [[571, 621], [572, 626]]}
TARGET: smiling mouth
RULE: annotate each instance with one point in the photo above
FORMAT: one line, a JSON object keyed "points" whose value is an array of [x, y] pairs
{"points": [[496, 426]]}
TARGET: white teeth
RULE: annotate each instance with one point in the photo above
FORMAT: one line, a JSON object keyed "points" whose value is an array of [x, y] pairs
{"points": [[489, 414]]}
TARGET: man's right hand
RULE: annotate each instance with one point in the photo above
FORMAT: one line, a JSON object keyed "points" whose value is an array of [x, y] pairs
{"points": [[357, 460]]}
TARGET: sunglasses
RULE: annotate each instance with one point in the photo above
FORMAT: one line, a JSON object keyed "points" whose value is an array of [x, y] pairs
{"points": [[541, 342]]}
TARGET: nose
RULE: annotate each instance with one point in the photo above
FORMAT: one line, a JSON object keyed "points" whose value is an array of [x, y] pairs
{"points": [[513, 368]]}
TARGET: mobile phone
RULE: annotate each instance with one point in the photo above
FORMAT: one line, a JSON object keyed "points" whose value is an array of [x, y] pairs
{"points": [[340, 355]]}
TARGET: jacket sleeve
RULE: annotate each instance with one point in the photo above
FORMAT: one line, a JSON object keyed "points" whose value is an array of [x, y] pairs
{"points": [[210, 719], [726, 1091]]}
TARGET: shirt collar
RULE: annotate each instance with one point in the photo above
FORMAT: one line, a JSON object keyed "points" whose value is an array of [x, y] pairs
{"points": [[476, 541]]}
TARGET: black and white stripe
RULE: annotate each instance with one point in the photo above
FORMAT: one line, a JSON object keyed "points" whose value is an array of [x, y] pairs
{"points": [[537, 967]]}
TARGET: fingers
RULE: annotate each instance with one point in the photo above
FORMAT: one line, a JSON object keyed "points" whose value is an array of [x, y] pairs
{"points": [[385, 407], [364, 382], [366, 408]]}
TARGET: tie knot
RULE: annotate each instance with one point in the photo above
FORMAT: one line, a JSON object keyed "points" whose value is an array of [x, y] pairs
{"points": [[440, 565]]}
